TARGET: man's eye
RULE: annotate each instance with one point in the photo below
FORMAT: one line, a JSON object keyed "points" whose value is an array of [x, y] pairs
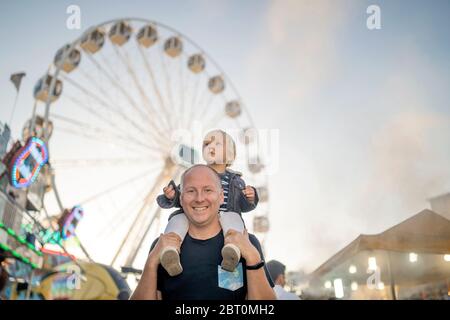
{"points": [[190, 191], [208, 190]]}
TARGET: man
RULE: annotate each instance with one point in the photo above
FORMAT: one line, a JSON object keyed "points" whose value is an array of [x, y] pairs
{"points": [[3, 276], [277, 273], [200, 253]]}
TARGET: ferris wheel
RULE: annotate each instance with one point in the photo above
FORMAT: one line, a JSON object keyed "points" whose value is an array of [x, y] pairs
{"points": [[126, 106]]}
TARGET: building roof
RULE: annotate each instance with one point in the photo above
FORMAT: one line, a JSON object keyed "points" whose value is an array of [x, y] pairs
{"points": [[425, 232]]}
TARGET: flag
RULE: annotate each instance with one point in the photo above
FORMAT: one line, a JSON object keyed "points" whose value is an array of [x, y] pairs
{"points": [[16, 79]]}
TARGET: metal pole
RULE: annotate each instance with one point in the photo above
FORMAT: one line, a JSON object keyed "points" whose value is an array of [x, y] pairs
{"points": [[167, 170], [134, 250], [55, 190], [84, 250], [134, 253], [33, 118], [14, 108], [391, 277]]}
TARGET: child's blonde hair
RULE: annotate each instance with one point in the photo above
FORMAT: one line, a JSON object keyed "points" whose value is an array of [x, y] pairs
{"points": [[228, 144]]}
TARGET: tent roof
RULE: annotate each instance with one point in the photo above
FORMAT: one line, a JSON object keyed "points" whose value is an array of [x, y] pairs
{"points": [[425, 232]]}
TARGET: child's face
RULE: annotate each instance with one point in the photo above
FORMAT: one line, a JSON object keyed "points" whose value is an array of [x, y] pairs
{"points": [[214, 151]]}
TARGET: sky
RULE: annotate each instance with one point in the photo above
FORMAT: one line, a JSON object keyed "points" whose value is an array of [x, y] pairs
{"points": [[363, 115]]}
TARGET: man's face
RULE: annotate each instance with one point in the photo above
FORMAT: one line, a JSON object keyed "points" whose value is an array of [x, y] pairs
{"points": [[201, 196]]}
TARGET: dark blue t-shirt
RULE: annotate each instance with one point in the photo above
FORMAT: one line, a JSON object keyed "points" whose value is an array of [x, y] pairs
{"points": [[201, 274]]}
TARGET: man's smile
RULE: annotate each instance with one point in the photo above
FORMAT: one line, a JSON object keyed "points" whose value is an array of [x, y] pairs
{"points": [[200, 209]]}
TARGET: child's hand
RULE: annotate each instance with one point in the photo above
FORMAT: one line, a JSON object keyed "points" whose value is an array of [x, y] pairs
{"points": [[169, 192], [249, 193]]}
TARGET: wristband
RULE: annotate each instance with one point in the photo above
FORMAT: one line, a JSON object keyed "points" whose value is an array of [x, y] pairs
{"points": [[257, 266]]}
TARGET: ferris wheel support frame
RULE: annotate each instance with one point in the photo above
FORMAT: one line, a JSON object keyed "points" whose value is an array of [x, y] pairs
{"points": [[138, 225], [156, 217]]}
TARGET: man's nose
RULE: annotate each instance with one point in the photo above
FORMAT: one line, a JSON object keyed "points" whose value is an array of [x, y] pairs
{"points": [[200, 196]]}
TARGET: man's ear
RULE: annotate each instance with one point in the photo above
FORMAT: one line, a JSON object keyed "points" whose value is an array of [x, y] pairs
{"points": [[222, 196], [279, 279], [181, 199]]}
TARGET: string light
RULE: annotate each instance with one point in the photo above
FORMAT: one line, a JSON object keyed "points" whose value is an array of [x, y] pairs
{"points": [[412, 257], [18, 256], [20, 239]]}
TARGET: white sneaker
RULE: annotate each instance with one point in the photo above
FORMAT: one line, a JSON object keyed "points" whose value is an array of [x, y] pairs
{"points": [[170, 260], [231, 256]]}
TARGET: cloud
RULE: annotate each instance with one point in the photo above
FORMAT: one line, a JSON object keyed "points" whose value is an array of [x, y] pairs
{"points": [[408, 164], [365, 159], [297, 48]]}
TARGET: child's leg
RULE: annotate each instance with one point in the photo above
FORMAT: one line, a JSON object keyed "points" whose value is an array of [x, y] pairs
{"points": [[231, 254], [231, 220], [170, 257], [178, 224]]}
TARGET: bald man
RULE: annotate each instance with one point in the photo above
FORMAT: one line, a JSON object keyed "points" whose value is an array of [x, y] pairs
{"points": [[200, 252]]}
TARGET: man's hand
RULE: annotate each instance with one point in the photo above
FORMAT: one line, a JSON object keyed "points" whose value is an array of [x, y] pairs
{"points": [[242, 241], [169, 191], [147, 286], [165, 240], [249, 193]]}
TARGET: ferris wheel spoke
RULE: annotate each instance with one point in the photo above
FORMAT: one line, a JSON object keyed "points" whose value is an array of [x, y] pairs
{"points": [[141, 220], [96, 83], [190, 117], [130, 209], [122, 133], [198, 104], [130, 100], [168, 86], [146, 98], [98, 132], [117, 85], [181, 92], [162, 104], [118, 186], [135, 125], [190, 88], [238, 124], [92, 137], [102, 118], [76, 163], [208, 106], [220, 115], [126, 61], [115, 77], [121, 216]]}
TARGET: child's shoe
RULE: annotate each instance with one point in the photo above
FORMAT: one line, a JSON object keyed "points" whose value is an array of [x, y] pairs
{"points": [[170, 260], [231, 256]]}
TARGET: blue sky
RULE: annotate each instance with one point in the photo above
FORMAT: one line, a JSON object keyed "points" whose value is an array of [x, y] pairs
{"points": [[363, 115]]}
